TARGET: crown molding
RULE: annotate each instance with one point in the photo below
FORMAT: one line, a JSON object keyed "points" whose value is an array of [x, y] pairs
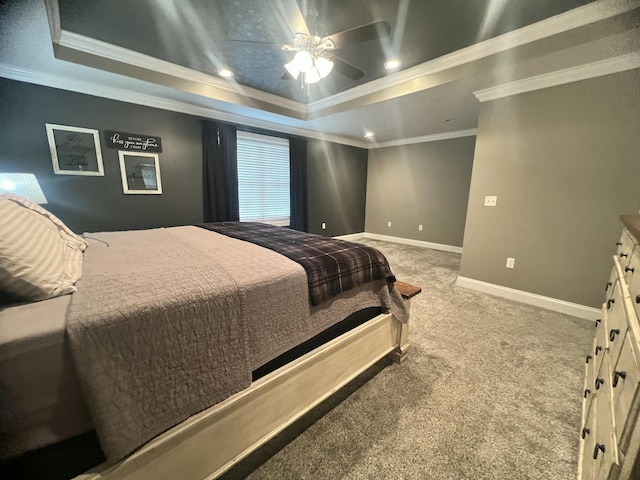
{"points": [[578, 17], [130, 96], [138, 98], [91, 46], [53, 18], [426, 138], [622, 63]]}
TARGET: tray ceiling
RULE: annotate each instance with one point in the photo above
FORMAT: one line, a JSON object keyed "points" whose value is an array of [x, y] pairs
{"points": [[202, 34]]}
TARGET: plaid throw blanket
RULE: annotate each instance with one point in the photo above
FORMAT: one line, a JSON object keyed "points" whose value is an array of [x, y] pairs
{"points": [[333, 266]]}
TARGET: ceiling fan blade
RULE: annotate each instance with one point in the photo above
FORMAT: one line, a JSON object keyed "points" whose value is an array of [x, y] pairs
{"points": [[364, 33], [292, 15], [346, 68]]}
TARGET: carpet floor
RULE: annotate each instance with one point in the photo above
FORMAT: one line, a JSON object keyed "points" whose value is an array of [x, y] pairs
{"points": [[491, 390]]}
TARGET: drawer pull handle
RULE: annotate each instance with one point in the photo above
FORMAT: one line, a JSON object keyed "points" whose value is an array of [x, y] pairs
{"points": [[637, 298], [585, 432], [613, 333], [629, 269], [610, 302], [607, 286], [599, 383], [598, 349], [598, 320], [618, 244], [623, 255], [589, 357], [586, 394], [617, 375], [599, 448]]}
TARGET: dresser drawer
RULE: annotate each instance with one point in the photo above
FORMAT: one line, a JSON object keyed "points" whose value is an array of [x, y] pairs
{"points": [[625, 378], [589, 377], [608, 288], [632, 266], [600, 342], [625, 248], [586, 463], [616, 321], [632, 277], [605, 449]]}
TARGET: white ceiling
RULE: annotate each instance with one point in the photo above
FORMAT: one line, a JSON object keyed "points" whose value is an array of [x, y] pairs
{"points": [[430, 99]]}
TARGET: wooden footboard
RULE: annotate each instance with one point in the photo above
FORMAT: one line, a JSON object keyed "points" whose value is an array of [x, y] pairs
{"points": [[209, 443]]}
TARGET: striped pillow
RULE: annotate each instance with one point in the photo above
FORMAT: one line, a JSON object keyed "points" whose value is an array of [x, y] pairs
{"points": [[40, 257]]}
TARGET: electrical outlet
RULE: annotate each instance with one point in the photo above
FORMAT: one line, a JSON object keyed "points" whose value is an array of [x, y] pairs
{"points": [[490, 201], [511, 262], [324, 225], [419, 228], [388, 224]]}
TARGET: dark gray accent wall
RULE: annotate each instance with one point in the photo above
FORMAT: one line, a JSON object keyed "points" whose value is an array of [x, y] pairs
{"points": [[564, 163], [98, 203], [337, 180], [420, 184], [336, 175]]}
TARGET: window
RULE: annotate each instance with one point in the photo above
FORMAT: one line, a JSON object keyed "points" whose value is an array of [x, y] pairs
{"points": [[263, 178]]}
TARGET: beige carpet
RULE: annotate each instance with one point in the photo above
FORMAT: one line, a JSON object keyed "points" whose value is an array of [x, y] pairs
{"points": [[491, 390]]}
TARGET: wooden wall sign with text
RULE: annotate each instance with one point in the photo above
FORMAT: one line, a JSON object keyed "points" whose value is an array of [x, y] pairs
{"points": [[133, 142]]}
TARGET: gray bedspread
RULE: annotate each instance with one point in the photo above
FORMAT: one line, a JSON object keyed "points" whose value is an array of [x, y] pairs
{"points": [[168, 322]]}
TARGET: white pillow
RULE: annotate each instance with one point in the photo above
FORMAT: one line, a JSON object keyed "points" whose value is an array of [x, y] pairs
{"points": [[40, 257]]}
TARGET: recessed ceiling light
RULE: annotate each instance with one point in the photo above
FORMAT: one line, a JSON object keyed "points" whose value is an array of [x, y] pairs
{"points": [[368, 134], [226, 73], [391, 64]]}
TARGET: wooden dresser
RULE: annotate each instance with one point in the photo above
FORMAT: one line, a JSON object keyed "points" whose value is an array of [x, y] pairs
{"points": [[610, 430]]}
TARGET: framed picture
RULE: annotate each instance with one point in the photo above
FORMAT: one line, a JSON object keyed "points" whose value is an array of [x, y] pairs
{"points": [[75, 150], [140, 172]]}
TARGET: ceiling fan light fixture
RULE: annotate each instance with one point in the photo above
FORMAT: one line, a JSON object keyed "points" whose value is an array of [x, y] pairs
{"points": [[293, 68], [324, 66], [303, 61], [312, 75]]}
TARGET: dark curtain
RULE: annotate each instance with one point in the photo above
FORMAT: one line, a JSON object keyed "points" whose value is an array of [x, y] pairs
{"points": [[298, 174], [220, 172]]}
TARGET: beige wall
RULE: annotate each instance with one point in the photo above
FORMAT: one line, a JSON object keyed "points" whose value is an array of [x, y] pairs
{"points": [[564, 163], [421, 184]]}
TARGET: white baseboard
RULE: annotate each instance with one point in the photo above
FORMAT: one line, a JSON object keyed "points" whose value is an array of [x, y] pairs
{"points": [[415, 243], [562, 306], [351, 236], [549, 303]]}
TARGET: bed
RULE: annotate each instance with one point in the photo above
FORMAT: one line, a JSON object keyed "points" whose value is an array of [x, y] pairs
{"points": [[171, 393]]}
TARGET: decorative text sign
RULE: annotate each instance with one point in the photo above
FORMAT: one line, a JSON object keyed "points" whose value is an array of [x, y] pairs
{"points": [[133, 141]]}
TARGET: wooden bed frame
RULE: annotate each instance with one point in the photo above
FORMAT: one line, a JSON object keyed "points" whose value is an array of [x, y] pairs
{"points": [[209, 443]]}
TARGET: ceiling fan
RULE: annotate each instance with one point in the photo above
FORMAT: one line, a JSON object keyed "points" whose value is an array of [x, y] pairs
{"points": [[315, 55]]}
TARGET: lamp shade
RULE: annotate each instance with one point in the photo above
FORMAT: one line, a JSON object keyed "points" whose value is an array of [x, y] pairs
{"points": [[303, 60], [324, 66], [293, 69], [24, 184], [312, 76]]}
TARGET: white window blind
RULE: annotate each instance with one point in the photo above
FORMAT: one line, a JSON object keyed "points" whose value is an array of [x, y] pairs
{"points": [[263, 178]]}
